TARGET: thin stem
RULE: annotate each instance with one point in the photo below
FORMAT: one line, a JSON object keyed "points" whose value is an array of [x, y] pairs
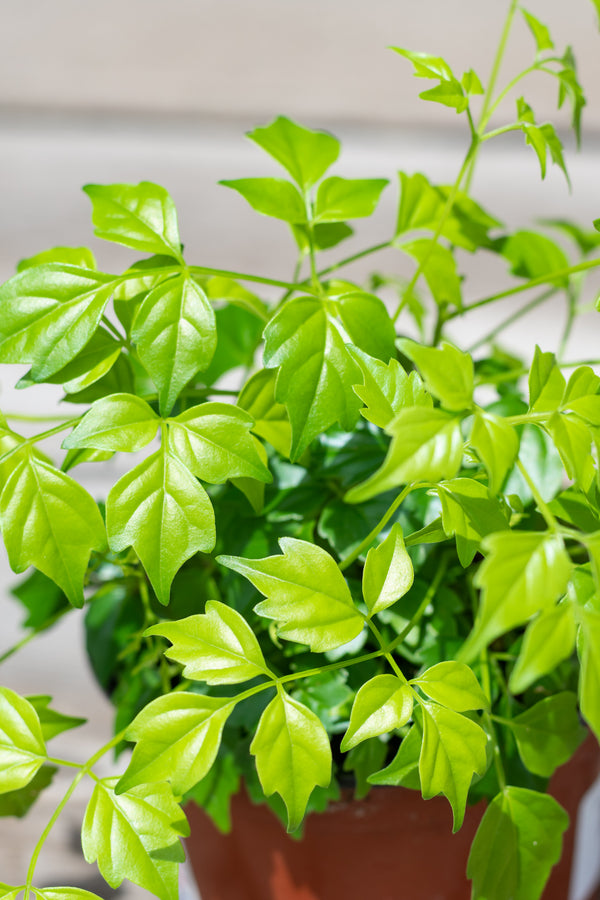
{"points": [[386, 651], [522, 311], [368, 251], [40, 437], [115, 331], [572, 297], [366, 543], [29, 637], [487, 107], [242, 276], [542, 505], [503, 94], [64, 762], [22, 417], [498, 131]]}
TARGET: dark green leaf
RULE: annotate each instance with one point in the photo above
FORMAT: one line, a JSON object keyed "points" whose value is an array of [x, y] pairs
{"points": [[215, 791], [18, 803], [41, 598]]}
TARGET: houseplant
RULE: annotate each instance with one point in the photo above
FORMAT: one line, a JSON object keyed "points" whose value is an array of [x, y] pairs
{"points": [[430, 615]]}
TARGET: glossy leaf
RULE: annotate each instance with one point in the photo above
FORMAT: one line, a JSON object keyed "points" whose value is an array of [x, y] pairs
{"points": [[141, 216], [118, 422], [52, 722], [546, 383], [92, 363], [388, 573], [453, 685], [22, 747], [446, 371], [588, 649], [271, 197], [176, 337], [549, 639], [381, 705], [160, 510], [306, 594], [304, 153], [497, 444], [218, 647], [135, 835], [386, 389], [439, 270], [378, 340], [213, 441], [82, 257], [18, 803], [469, 512], [339, 199], [64, 893], [548, 733], [61, 527], [523, 829], [177, 738], [454, 749], [292, 753]]}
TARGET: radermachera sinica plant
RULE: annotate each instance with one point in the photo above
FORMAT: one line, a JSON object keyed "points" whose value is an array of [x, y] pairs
{"points": [[367, 557]]}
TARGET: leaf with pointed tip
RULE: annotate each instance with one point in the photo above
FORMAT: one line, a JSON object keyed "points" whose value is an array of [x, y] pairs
{"points": [[304, 153], [356, 308], [386, 388], [176, 739], [469, 512], [135, 835], [403, 771], [516, 845], [272, 197], [381, 705], [573, 440], [118, 422], [453, 685], [51, 721], [539, 31], [176, 336], [588, 649], [213, 441], [449, 91], [447, 372], [339, 199], [439, 270], [82, 257], [218, 647], [533, 255], [324, 235], [22, 747], [161, 511], [306, 594], [497, 444], [548, 733], [549, 639], [92, 363], [50, 522], [471, 83], [546, 383], [49, 313], [271, 420], [141, 216], [388, 573], [292, 753]]}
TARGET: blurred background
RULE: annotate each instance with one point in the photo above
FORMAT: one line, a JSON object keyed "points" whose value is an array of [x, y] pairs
{"points": [[163, 90]]}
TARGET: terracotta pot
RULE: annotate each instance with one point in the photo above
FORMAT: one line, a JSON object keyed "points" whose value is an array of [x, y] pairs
{"points": [[360, 849]]}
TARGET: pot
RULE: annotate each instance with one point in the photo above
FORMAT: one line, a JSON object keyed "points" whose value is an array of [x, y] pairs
{"points": [[391, 845]]}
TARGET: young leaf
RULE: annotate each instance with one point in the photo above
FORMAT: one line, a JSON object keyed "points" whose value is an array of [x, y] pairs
{"points": [[141, 216], [588, 649], [539, 31], [177, 739], [447, 372], [82, 257], [48, 314], [135, 836], [449, 91], [213, 441], [218, 647], [548, 640], [454, 749], [306, 593], [52, 722], [381, 705], [176, 336], [471, 83], [453, 685], [304, 153], [427, 445], [497, 444], [292, 753], [356, 308], [59, 529], [386, 389], [22, 747], [339, 199], [439, 270], [522, 830], [546, 383], [388, 572], [271, 197], [118, 422], [470, 512], [548, 733], [161, 511]]}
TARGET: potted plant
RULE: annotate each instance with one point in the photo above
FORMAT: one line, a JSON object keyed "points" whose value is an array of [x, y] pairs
{"points": [[354, 554]]}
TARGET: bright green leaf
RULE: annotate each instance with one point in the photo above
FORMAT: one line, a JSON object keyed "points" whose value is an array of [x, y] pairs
{"points": [[403, 771], [453, 685], [546, 383], [339, 199], [470, 512], [497, 444], [304, 153], [588, 648], [271, 420], [22, 747], [378, 340], [388, 573], [533, 255], [548, 733], [573, 440], [271, 197], [449, 91], [471, 83], [447, 372], [539, 31], [82, 257], [51, 721], [118, 422], [439, 270], [549, 639], [381, 705], [386, 389]]}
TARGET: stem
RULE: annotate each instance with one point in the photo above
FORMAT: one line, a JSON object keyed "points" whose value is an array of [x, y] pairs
{"points": [[242, 276], [115, 331], [429, 595], [498, 131], [29, 637], [572, 297], [366, 543], [487, 687], [487, 108], [40, 437], [21, 417], [542, 506], [356, 256], [523, 310], [387, 653]]}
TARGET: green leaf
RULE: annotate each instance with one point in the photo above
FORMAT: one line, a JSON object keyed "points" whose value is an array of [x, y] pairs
{"points": [[403, 771], [218, 647], [215, 791], [161, 511], [239, 333], [353, 310], [470, 512], [522, 574], [453, 685], [50, 522], [585, 240], [388, 573], [588, 649], [542, 138], [136, 836], [449, 91], [427, 445], [381, 705], [271, 421], [447, 372], [548, 733], [49, 313], [570, 87], [549, 639], [546, 383], [41, 598], [304, 153], [119, 422], [325, 235], [213, 441], [271, 197], [316, 371], [64, 893], [82, 257], [22, 747], [386, 388], [533, 255], [93, 362], [306, 594], [516, 845], [141, 216], [18, 803], [539, 31], [292, 753], [439, 270], [177, 739], [176, 336], [471, 83], [573, 440], [454, 749], [339, 199], [497, 444], [51, 721]]}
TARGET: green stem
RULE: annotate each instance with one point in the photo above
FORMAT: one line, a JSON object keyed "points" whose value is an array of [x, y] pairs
{"points": [[21, 417], [34, 633], [522, 311], [368, 251], [114, 330], [242, 276], [40, 437], [64, 762], [542, 505], [498, 131], [387, 652], [487, 718], [366, 543], [572, 297], [429, 595], [487, 107]]}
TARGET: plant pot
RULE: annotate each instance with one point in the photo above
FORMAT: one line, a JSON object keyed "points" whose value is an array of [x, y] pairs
{"points": [[388, 845]]}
